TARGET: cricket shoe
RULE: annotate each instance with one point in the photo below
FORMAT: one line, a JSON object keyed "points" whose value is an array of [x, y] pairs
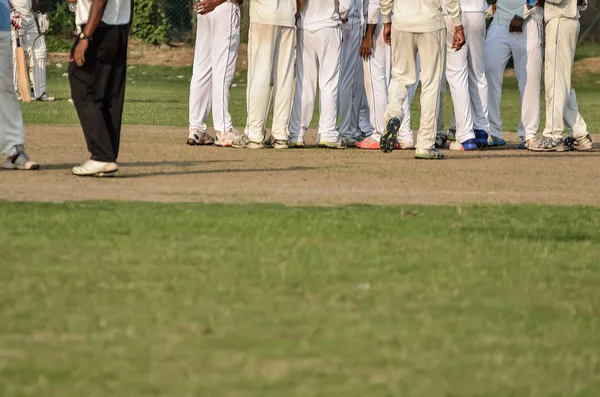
{"points": [[482, 138], [242, 142], [46, 98], [544, 144], [276, 143], [429, 154], [351, 142], [494, 141], [96, 168], [296, 143], [523, 144], [466, 146], [225, 139], [338, 144], [404, 146], [441, 138], [199, 138], [581, 144], [20, 161], [390, 136], [369, 144]]}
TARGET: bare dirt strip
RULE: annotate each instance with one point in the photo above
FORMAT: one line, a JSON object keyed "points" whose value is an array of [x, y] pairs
{"points": [[156, 165]]}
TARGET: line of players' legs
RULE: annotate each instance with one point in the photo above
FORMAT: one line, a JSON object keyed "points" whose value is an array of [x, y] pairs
{"points": [[365, 103]]}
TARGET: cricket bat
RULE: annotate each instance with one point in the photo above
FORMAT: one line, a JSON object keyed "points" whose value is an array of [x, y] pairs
{"points": [[24, 88]]}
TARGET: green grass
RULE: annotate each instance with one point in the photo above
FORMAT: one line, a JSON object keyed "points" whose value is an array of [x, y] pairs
{"points": [[139, 299], [159, 96]]}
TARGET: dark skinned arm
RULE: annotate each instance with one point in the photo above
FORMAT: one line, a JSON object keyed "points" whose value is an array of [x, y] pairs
{"points": [[96, 13], [299, 7], [366, 47]]}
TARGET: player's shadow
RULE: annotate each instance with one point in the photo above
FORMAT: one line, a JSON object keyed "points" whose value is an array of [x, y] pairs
{"points": [[125, 175], [485, 154], [63, 166]]}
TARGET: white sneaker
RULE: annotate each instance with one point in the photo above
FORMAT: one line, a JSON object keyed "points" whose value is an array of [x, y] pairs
{"points": [[225, 139], [20, 161], [95, 168], [199, 138]]}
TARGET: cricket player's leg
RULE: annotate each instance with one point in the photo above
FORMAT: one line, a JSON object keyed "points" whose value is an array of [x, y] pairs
{"points": [[377, 70], [328, 46], [37, 61], [457, 74], [12, 135], [527, 56], [432, 49], [497, 53], [225, 31], [561, 39], [201, 84], [262, 48], [406, 139], [581, 139], [307, 69], [475, 29], [365, 129], [350, 94], [283, 87], [404, 75]]}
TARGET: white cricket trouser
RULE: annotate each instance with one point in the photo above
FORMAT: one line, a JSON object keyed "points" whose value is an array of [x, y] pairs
{"points": [[526, 51], [217, 43], [317, 59], [432, 51], [270, 63], [465, 73], [378, 72], [561, 102], [11, 121], [34, 46], [354, 108]]}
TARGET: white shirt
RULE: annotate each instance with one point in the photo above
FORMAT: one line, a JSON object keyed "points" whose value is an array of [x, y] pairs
{"points": [[117, 12], [354, 12], [419, 16], [23, 6], [273, 12], [319, 14], [563, 9], [506, 10], [473, 5]]}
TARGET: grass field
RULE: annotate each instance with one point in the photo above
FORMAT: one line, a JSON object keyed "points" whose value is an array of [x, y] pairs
{"points": [[130, 299]]}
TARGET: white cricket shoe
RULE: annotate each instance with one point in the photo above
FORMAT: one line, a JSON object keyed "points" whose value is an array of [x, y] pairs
{"points": [[96, 168], [20, 161]]}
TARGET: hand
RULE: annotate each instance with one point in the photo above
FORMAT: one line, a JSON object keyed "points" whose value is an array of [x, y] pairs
{"points": [[458, 41], [387, 33], [15, 19], [366, 47], [203, 7], [43, 22], [516, 25], [79, 53]]}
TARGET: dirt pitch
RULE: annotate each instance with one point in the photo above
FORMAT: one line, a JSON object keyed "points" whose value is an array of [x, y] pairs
{"points": [[156, 165]]}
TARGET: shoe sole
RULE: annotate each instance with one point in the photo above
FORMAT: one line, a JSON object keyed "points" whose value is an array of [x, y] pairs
{"points": [[421, 156], [388, 139], [297, 146], [101, 174], [192, 142], [222, 144]]}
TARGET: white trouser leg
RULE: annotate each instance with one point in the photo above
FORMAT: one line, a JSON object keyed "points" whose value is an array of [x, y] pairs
{"points": [[432, 50], [405, 133], [283, 80], [328, 45], [377, 79], [201, 84], [561, 39], [225, 36], [351, 84], [457, 74], [404, 72], [307, 70], [474, 23], [527, 55], [440, 120], [573, 120], [11, 121], [497, 53]]}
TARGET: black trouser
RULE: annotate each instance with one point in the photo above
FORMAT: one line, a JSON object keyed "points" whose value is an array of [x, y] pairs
{"points": [[98, 90]]}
